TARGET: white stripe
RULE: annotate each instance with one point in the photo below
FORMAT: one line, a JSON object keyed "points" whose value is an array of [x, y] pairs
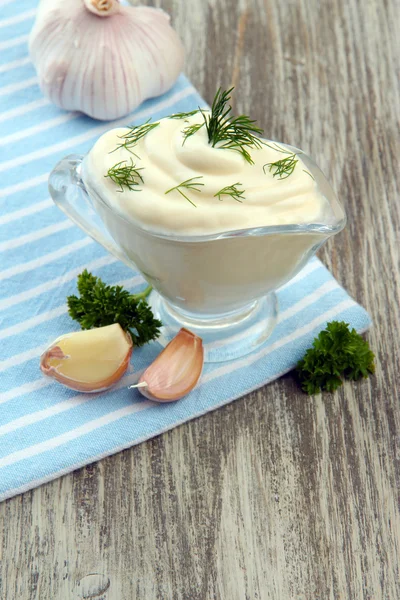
{"points": [[5, 2], [36, 235], [40, 415], [55, 312], [24, 185], [24, 212], [88, 135], [14, 42], [291, 337], [26, 388], [25, 420], [78, 432], [308, 300], [18, 359], [20, 85], [22, 110], [131, 282], [28, 14], [33, 321], [312, 266], [24, 133], [56, 282], [44, 260], [14, 64]]}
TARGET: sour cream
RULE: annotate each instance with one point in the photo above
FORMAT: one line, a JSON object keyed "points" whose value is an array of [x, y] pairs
{"points": [[209, 255], [166, 160]]}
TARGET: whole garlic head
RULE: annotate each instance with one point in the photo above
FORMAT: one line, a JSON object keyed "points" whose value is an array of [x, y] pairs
{"points": [[101, 58]]}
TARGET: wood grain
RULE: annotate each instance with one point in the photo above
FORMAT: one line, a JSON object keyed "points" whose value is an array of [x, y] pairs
{"points": [[277, 496]]}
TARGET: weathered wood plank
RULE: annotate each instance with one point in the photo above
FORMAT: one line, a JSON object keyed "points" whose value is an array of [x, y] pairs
{"points": [[277, 496]]}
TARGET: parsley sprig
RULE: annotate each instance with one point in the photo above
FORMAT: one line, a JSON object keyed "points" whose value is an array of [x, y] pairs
{"points": [[100, 304], [338, 352]]}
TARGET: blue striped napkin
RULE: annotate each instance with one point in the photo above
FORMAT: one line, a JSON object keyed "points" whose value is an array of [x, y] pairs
{"points": [[47, 430]]}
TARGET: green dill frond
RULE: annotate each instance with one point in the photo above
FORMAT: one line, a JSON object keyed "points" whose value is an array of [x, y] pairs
{"points": [[184, 115], [231, 190], [125, 175], [282, 168], [189, 184], [277, 147], [135, 134], [224, 131], [191, 130]]}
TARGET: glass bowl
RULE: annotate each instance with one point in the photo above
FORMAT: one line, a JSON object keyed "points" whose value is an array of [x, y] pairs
{"points": [[220, 286]]}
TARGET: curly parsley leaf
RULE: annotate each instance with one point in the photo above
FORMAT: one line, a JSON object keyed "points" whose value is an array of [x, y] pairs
{"points": [[100, 304], [338, 352]]}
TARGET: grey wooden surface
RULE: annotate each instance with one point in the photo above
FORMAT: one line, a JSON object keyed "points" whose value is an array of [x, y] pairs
{"points": [[277, 496]]}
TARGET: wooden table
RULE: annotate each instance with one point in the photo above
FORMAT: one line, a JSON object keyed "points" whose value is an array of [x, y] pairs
{"points": [[278, 496]]}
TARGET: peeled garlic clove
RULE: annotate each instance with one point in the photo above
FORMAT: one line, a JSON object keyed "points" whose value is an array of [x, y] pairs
{"points": [[176, 371], [102, 58], [89, 361]]}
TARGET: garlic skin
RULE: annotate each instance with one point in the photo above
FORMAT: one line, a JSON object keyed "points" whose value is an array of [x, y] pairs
{"points": [[101, 58], [92, 360], [176, 371]]}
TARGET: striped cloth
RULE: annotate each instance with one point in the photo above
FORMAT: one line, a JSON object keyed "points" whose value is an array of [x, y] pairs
{"points": [[47, 430]]}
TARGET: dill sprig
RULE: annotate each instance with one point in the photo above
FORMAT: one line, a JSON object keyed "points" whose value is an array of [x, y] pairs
{"points": [[284, 167], [125, 176], [190, 130], [184, 115], [287, 165], [233, 133], [189, 184], [135, 134], [275, 146], [231, 190], [310, 174]]}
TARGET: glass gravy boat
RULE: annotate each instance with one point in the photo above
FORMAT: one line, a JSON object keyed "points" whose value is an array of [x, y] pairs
{"points": [[220, 286]]}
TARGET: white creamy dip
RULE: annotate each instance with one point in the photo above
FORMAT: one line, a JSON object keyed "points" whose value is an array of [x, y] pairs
{"points": [[196, 271], [167, 162]]}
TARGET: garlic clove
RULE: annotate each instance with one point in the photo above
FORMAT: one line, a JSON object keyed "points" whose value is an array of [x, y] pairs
{"points": [[103, 58], [176, 371], [92, 360]]}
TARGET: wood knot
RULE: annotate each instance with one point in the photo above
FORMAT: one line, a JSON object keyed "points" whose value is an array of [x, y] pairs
{"points": [[93, 586]]}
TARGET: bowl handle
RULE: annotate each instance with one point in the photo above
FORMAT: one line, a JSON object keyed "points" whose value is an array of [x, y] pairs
{"points": [[68, 191]]}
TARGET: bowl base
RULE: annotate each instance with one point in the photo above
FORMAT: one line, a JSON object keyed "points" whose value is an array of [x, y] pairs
{"points": [[225, 337]]}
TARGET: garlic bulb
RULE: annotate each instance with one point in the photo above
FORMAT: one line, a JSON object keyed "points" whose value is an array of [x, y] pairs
{"points": [[176, 371], [92, 360], [101, 58]]}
